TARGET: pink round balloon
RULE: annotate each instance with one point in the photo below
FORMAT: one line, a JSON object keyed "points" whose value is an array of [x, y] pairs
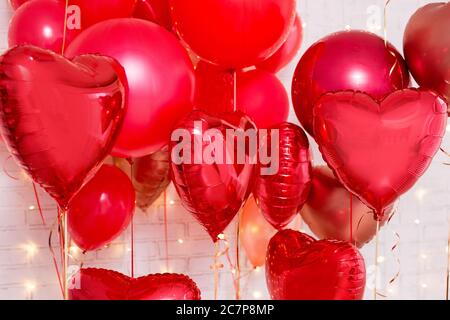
{"points": [[160, 78], [349, 60]]}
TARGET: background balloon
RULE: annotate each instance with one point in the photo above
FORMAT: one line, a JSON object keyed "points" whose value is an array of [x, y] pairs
{"points": [[73, 112], [234, 33], [254, 233], [327, 211], [40, 23], [212, 192], [102, 209], [379, 150], [281, 194], [15, 4], [101, 284], [259, 94], [288, 50], [160, 94], [427, 48], [300, 268], [157, 11], [349, 60]]}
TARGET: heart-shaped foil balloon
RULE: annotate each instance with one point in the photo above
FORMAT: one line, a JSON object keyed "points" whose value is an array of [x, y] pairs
{"points": [[59, 118], [300, 268], [282, 193], [101, 284], [379, 150], [212, 168]]}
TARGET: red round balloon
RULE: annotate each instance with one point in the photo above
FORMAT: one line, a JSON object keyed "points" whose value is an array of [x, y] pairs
{"points": [[379, 150], [300, 268], [160, 78], [427, 47], [59, 118], [40, 23], [281, 194], [349, 60], [157, 11], [102, 209], [288, 50], [259, 94], [233, 33]]}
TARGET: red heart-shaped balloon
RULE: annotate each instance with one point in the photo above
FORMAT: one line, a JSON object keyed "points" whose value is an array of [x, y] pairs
{"points": [[282, 193], [101, 284], [300, 268], [212, 190], [59, 117], [379, 150]]}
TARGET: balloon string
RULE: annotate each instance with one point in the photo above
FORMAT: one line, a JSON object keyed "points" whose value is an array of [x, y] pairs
{"points": [[216, 268], [65, 28], [38, 202], [166, 237], [351, 217], [448, 263], [55, 262], [131, 162], [238, 263], [64, 239], [6, 171], [375, 293], [386, 4], [447, 154]]}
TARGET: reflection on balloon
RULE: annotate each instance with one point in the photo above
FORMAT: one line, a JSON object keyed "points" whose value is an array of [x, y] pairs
{"points": [[157, 11]]}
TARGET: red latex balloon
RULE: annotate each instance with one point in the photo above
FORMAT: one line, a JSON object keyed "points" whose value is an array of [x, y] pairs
{"points": [[349, 60], [300, 268], [212, 191], [157, 11], [102, 209], [327, 211], [40, 23], [101, 284], [288, 50], [60, 118], [281, 194], [427, 47], [259, 94], [233, 33], [160, 78], [379, 150]]}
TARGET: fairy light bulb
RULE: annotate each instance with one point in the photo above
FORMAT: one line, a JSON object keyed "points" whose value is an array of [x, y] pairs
{"points": [[221, 236], [31, 207], [171, 202], [257, 294], [380, 259], [180, 241], [31, 249], [348, 27]]}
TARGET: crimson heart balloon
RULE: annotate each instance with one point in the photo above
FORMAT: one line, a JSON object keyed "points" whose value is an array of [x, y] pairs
{"points": [[379, 150], [213, 189], [300, 268], [427, 47], [281, 194], [59, 118], [101, 284]]}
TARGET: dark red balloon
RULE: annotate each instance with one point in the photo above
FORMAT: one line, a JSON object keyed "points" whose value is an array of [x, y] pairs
{"points": [[288, 50], [234, 33], [60, 118], [281, 194], [157, 11], [300, 268], [212, 191], [349, 60], [40, 23], [160, 77], [427, 47], [379, 150], [101, 284], [259, 94], [102, 209]]}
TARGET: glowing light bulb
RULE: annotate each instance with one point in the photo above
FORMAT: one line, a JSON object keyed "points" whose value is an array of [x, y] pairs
{"points": [[221, 236], [31, 249], [348, 28], [417, 221], [257, 294], [424, 285], [423, 256], [180, 241], [30, 286], [380, 259], [31, 207], [421, 193]]}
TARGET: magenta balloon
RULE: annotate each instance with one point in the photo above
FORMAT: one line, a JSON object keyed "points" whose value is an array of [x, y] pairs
{"points": [[160, 77]]}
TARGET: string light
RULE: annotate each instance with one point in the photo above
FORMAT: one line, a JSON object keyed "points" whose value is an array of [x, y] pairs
{"points": [[421, 193], [171, 202], [348, 28], [221, 236], [180, 241], [257, 294], [380, 259], [31, 249], [31, 207], [417, 221], [30, 286], [423, 256], [74, 249], [304, 25], [424, 285]]}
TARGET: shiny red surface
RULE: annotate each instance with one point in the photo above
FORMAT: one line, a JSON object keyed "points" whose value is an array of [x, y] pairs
{"points": [[60, 118], [300, 268], [157, 11]]}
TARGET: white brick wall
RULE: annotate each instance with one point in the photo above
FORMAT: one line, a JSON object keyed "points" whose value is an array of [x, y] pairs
{"points": [[422, 220]]}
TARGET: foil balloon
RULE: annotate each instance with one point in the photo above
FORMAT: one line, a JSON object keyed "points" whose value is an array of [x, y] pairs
{"points": [[349, 60], [102, 209], [254, 233], [210, 169], [259, 94], [157, 11], [233, 34], [101, 284], [331, 212], [300, 268], [60, 118], [288, 50], [160, 77], [41, 23], [281, 192], [379, 150], [427, 47]]}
